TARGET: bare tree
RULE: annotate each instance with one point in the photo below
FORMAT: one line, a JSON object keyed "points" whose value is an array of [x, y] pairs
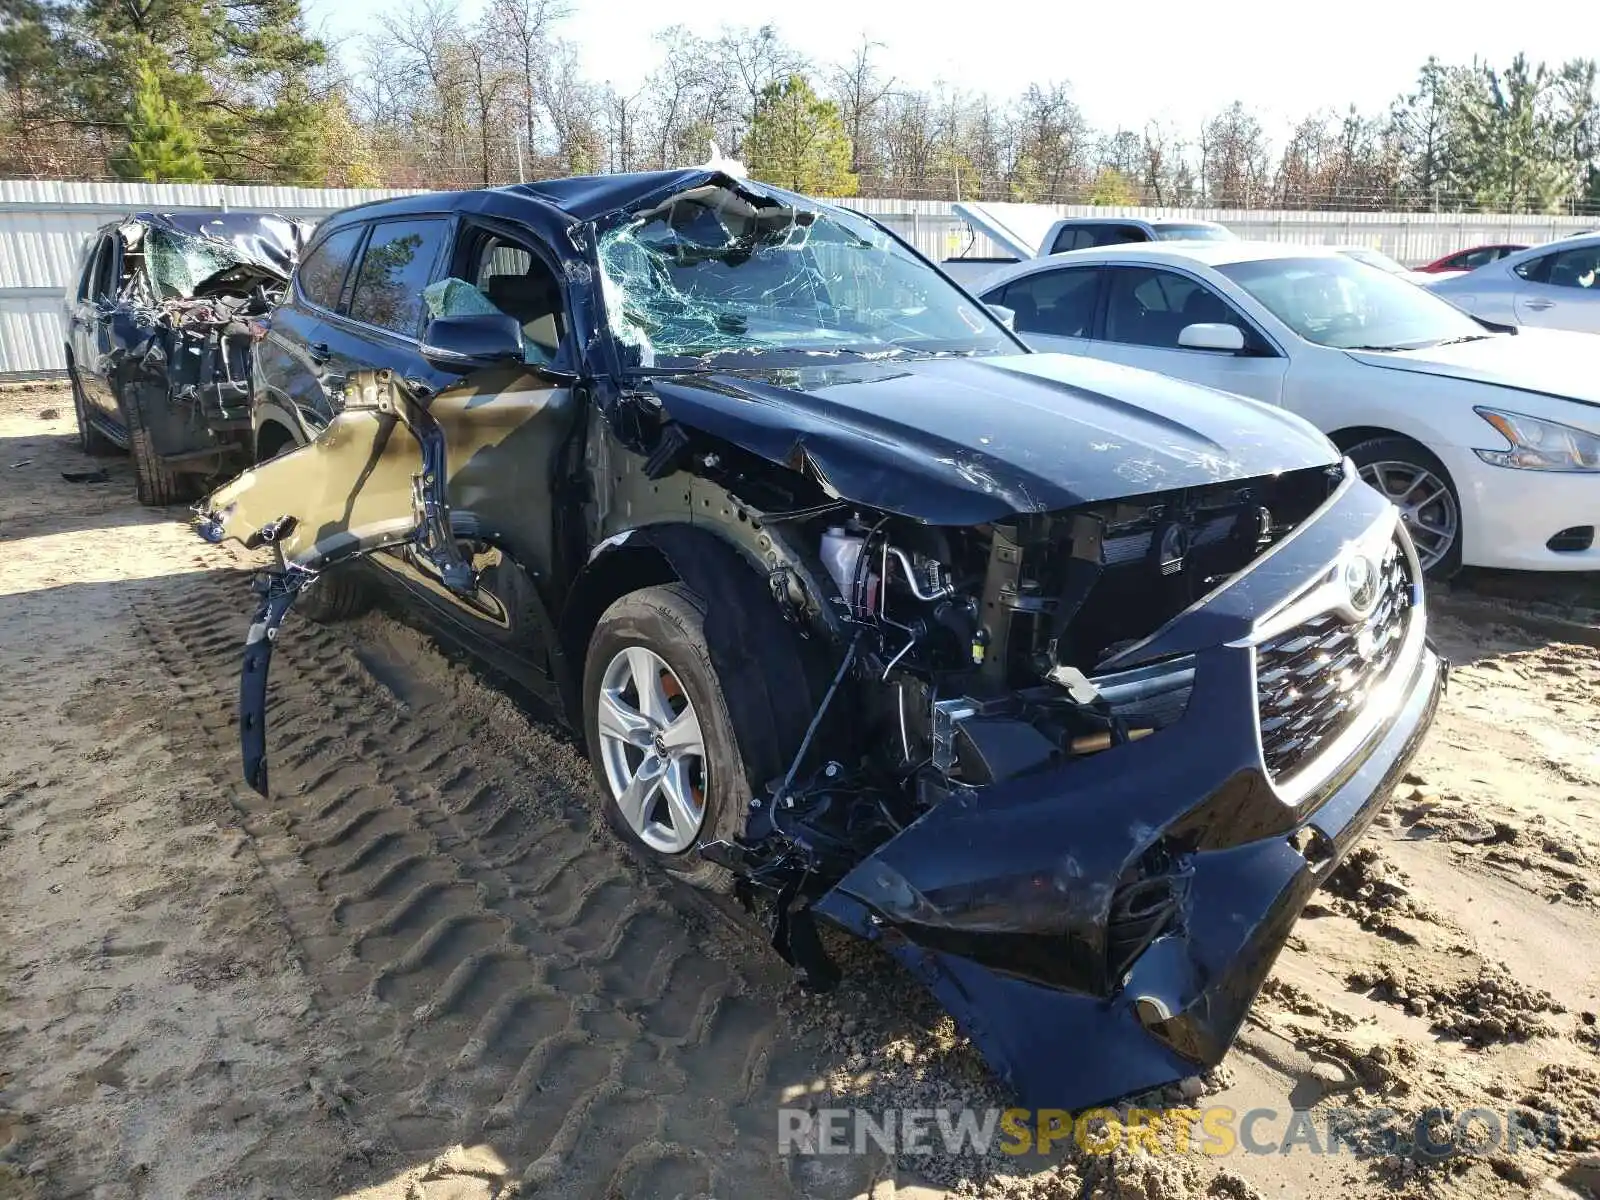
{"points": [[860, 89], [1234, 158], [682, 94], [427, 50], [754, 59], [622, 119], [487, 82], [1055, 139], [573, 106], [520, 29]]}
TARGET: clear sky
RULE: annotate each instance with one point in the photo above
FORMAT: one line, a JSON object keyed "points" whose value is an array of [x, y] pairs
{"points": [[1127, 63]]}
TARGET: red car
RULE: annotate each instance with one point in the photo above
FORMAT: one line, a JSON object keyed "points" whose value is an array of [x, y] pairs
{"points": [[1469, 260]]}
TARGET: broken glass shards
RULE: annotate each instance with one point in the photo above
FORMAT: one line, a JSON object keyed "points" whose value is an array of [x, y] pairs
{"points": [[715, 271]]}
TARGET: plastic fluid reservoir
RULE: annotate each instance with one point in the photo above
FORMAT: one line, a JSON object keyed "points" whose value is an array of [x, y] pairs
{"points": [[841, 554]]}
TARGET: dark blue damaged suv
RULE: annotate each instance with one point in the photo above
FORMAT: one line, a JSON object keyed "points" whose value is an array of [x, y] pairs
{"points": [[1066, 682]]}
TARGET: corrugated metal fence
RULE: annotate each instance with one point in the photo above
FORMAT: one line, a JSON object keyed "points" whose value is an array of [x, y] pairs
{"points": [[43, 225], [1412, 238]]}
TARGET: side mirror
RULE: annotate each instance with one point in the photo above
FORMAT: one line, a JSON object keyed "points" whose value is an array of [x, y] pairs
{"points": [[1007, 316], [1209, 335], [467, 343]]}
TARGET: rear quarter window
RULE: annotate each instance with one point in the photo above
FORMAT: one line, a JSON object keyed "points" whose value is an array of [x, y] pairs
{"points": [[323, 271]]}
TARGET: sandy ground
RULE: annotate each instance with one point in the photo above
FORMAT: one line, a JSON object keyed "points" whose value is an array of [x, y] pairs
{"points": [[421, 970]]}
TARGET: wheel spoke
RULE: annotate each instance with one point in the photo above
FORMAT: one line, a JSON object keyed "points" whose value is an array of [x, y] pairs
{"points": [[683, 811], [620, 722], [645, 668], [1418, 475], [635, 800], [1432, 496], [682, 736]]}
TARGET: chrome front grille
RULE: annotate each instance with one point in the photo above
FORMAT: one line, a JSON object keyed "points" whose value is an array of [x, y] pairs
{"points": [[1313, 680]]}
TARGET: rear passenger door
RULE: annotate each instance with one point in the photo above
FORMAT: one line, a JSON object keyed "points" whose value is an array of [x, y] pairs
{"points": [[1561, 290], [292, 378], [381, 321]]}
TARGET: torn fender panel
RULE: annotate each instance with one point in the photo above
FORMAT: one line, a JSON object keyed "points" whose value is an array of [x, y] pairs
{"points": [[1010, 903], [960, 441]]}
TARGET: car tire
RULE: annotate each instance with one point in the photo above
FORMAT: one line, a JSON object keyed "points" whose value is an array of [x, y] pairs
{"points": [[90, 439], [157, 484], [745, 741], [1415, 481], [338, 594]]}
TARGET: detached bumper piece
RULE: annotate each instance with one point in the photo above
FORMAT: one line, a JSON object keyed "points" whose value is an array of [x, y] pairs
{"points": [[277, 590]]}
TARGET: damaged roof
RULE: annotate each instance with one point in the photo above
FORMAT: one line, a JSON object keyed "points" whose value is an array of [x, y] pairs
{"points": [[586, 197], [564, 202]]}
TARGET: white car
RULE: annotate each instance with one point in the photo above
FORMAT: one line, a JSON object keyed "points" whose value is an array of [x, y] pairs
{"points": [[1487, 441], [1556, 286]]}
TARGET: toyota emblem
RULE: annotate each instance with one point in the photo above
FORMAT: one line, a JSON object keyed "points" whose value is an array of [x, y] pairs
{"points": [[1361, 583]]}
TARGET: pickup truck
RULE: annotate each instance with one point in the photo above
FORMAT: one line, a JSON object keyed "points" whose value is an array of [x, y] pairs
{"points": [[1033, 231]]}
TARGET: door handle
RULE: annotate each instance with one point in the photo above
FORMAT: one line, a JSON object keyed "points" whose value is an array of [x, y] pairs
{"points": [[319, 352], [1541, 305]]}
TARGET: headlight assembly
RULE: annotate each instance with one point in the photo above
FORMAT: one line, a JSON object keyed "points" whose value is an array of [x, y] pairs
{"points": [[1538, 445]]}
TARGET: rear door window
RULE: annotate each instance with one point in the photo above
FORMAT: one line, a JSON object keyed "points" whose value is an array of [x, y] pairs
{"points": [[323, 271], [1056, 303], [397, 265], [1576, 269]]}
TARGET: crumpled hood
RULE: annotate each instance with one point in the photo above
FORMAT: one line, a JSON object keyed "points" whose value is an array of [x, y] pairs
{"points": [[960, 441], [1552, 362]]}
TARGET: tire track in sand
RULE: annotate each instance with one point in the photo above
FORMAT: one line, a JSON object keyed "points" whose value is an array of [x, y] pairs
{"points": [[497, 970]]}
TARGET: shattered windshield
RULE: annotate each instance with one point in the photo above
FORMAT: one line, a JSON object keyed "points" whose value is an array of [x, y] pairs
{"points": [[178, 264], [713, 272]]}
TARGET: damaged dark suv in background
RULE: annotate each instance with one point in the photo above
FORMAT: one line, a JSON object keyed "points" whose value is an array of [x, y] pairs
{"points": [[160, 340], [1067, 683]]}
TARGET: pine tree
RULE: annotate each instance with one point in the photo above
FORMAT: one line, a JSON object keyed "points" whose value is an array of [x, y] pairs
{"points": [[162, 148], [798, 141]]}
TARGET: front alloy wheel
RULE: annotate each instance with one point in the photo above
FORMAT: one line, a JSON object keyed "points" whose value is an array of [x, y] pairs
{"points": [[1416, 483], [687, 720], [652, 750]]}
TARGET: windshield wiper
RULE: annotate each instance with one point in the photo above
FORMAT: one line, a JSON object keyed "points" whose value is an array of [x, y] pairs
{"points": [[1465, 337]]}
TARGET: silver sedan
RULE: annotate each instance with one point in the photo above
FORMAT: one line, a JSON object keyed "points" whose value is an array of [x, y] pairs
{"points": [[1556, 286]]}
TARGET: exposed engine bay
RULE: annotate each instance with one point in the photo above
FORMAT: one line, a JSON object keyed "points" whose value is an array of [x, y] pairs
{"points": [[984, 654]]}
